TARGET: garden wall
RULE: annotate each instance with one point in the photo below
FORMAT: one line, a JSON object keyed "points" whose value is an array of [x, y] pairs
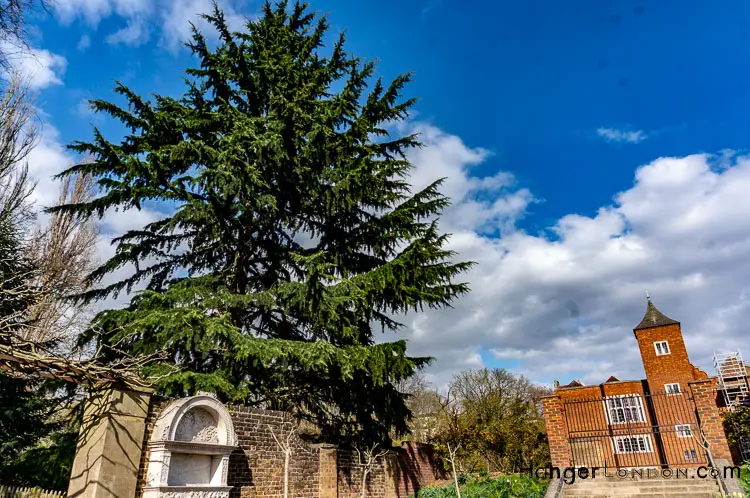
{"points": [[256, 468]]}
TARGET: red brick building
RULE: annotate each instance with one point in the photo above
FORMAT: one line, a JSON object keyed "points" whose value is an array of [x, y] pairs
{"points": [[669, 419]]}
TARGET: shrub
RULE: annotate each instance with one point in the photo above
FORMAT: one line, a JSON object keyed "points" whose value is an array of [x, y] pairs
{"points": [[485, 487]]}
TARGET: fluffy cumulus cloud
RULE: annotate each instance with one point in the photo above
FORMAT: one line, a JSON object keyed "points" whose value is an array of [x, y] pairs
{"points": [[40, 67], [92, 12], [170, 19], [619, 136], [562, 304]]}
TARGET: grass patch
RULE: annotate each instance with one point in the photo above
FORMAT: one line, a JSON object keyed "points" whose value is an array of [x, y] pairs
{"points": [[490, 487], [745, 479]]}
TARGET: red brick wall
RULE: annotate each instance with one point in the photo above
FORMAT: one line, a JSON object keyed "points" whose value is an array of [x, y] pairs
{"points": [[557, 433], [577, 413], [704, 394], [413, 466]]}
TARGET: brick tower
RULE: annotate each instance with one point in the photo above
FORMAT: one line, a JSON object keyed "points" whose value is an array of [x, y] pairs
{"points": [[665, 359]]}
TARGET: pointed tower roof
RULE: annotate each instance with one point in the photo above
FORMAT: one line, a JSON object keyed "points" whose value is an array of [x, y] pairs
{"points": [[654, 318]]}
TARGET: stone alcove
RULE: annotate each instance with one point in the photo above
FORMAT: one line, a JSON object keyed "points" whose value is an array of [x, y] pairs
{"points": [[189, 450]]}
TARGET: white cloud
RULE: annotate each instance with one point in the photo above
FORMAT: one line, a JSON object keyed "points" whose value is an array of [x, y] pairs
{"points": [[42, 67], [83, 109], [618, 135], [84, 43], [134, 34], [562, 304], [171, 18], [49, 158], [178, 14], [93, 11]]}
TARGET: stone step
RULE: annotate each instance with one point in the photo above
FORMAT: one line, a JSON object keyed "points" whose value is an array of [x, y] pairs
{"points": [[645, 485], [621, 491], [684, 483], [682, 477], [703, 488], [667, 481], [663, 485], [652, 495]]}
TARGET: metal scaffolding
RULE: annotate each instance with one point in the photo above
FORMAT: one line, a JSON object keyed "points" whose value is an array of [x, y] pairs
{"points": [[732, 376]]}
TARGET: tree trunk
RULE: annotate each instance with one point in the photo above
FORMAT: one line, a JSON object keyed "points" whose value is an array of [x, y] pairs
{"points": [[363, 491], [286, 473], [455, 476]]}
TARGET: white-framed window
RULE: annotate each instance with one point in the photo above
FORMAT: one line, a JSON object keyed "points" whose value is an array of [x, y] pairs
{"points": [[672, 388], [661, 347], [632, 444], [690, 455], [683, 430], [625, 409]]}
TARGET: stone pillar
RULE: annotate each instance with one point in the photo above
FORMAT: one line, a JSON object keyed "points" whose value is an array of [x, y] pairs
{"points": [[110, 443], [557, 432], [329, 475], [709, 416]]}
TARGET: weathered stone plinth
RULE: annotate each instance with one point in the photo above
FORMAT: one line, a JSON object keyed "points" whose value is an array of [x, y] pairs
{"points": [[109, 444]]}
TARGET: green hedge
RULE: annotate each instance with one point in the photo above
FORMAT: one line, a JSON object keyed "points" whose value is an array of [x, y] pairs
{"points": [[485, 487]]}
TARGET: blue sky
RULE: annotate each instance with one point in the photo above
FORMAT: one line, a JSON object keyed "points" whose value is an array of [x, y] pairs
{"points": [[531, 81], [561, 103]]}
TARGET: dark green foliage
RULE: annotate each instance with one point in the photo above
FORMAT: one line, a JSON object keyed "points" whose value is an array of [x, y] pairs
{"points": [[22, 418], [36, 443], [37, 439], [273, 144], [737, 424]]}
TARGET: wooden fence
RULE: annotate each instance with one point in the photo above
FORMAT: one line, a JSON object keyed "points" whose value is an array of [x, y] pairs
{"points": [[18, 492]]}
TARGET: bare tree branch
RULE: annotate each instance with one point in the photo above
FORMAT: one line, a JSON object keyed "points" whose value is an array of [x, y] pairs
{"points": [[452, 460], [368, 458], [286, 449], [19, 132], [64, 252], [13, 35], [25, 358]]}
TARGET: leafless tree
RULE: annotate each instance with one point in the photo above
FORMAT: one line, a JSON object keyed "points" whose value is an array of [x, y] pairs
{"points": [[23, 358], [13, 35], [286, 447], [19, 131], [64, 253], [368, 458], [452, 460], [424, 403]]}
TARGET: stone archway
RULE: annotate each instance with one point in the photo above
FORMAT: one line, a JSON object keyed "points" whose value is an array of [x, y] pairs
{"points": [[189, 450]]}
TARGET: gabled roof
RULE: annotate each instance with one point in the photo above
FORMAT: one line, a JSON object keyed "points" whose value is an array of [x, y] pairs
{"points": [[654, 318], [574, 383], [612, 378]]}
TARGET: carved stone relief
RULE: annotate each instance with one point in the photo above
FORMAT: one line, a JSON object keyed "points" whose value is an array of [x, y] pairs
{"points": [[197, 425]]}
